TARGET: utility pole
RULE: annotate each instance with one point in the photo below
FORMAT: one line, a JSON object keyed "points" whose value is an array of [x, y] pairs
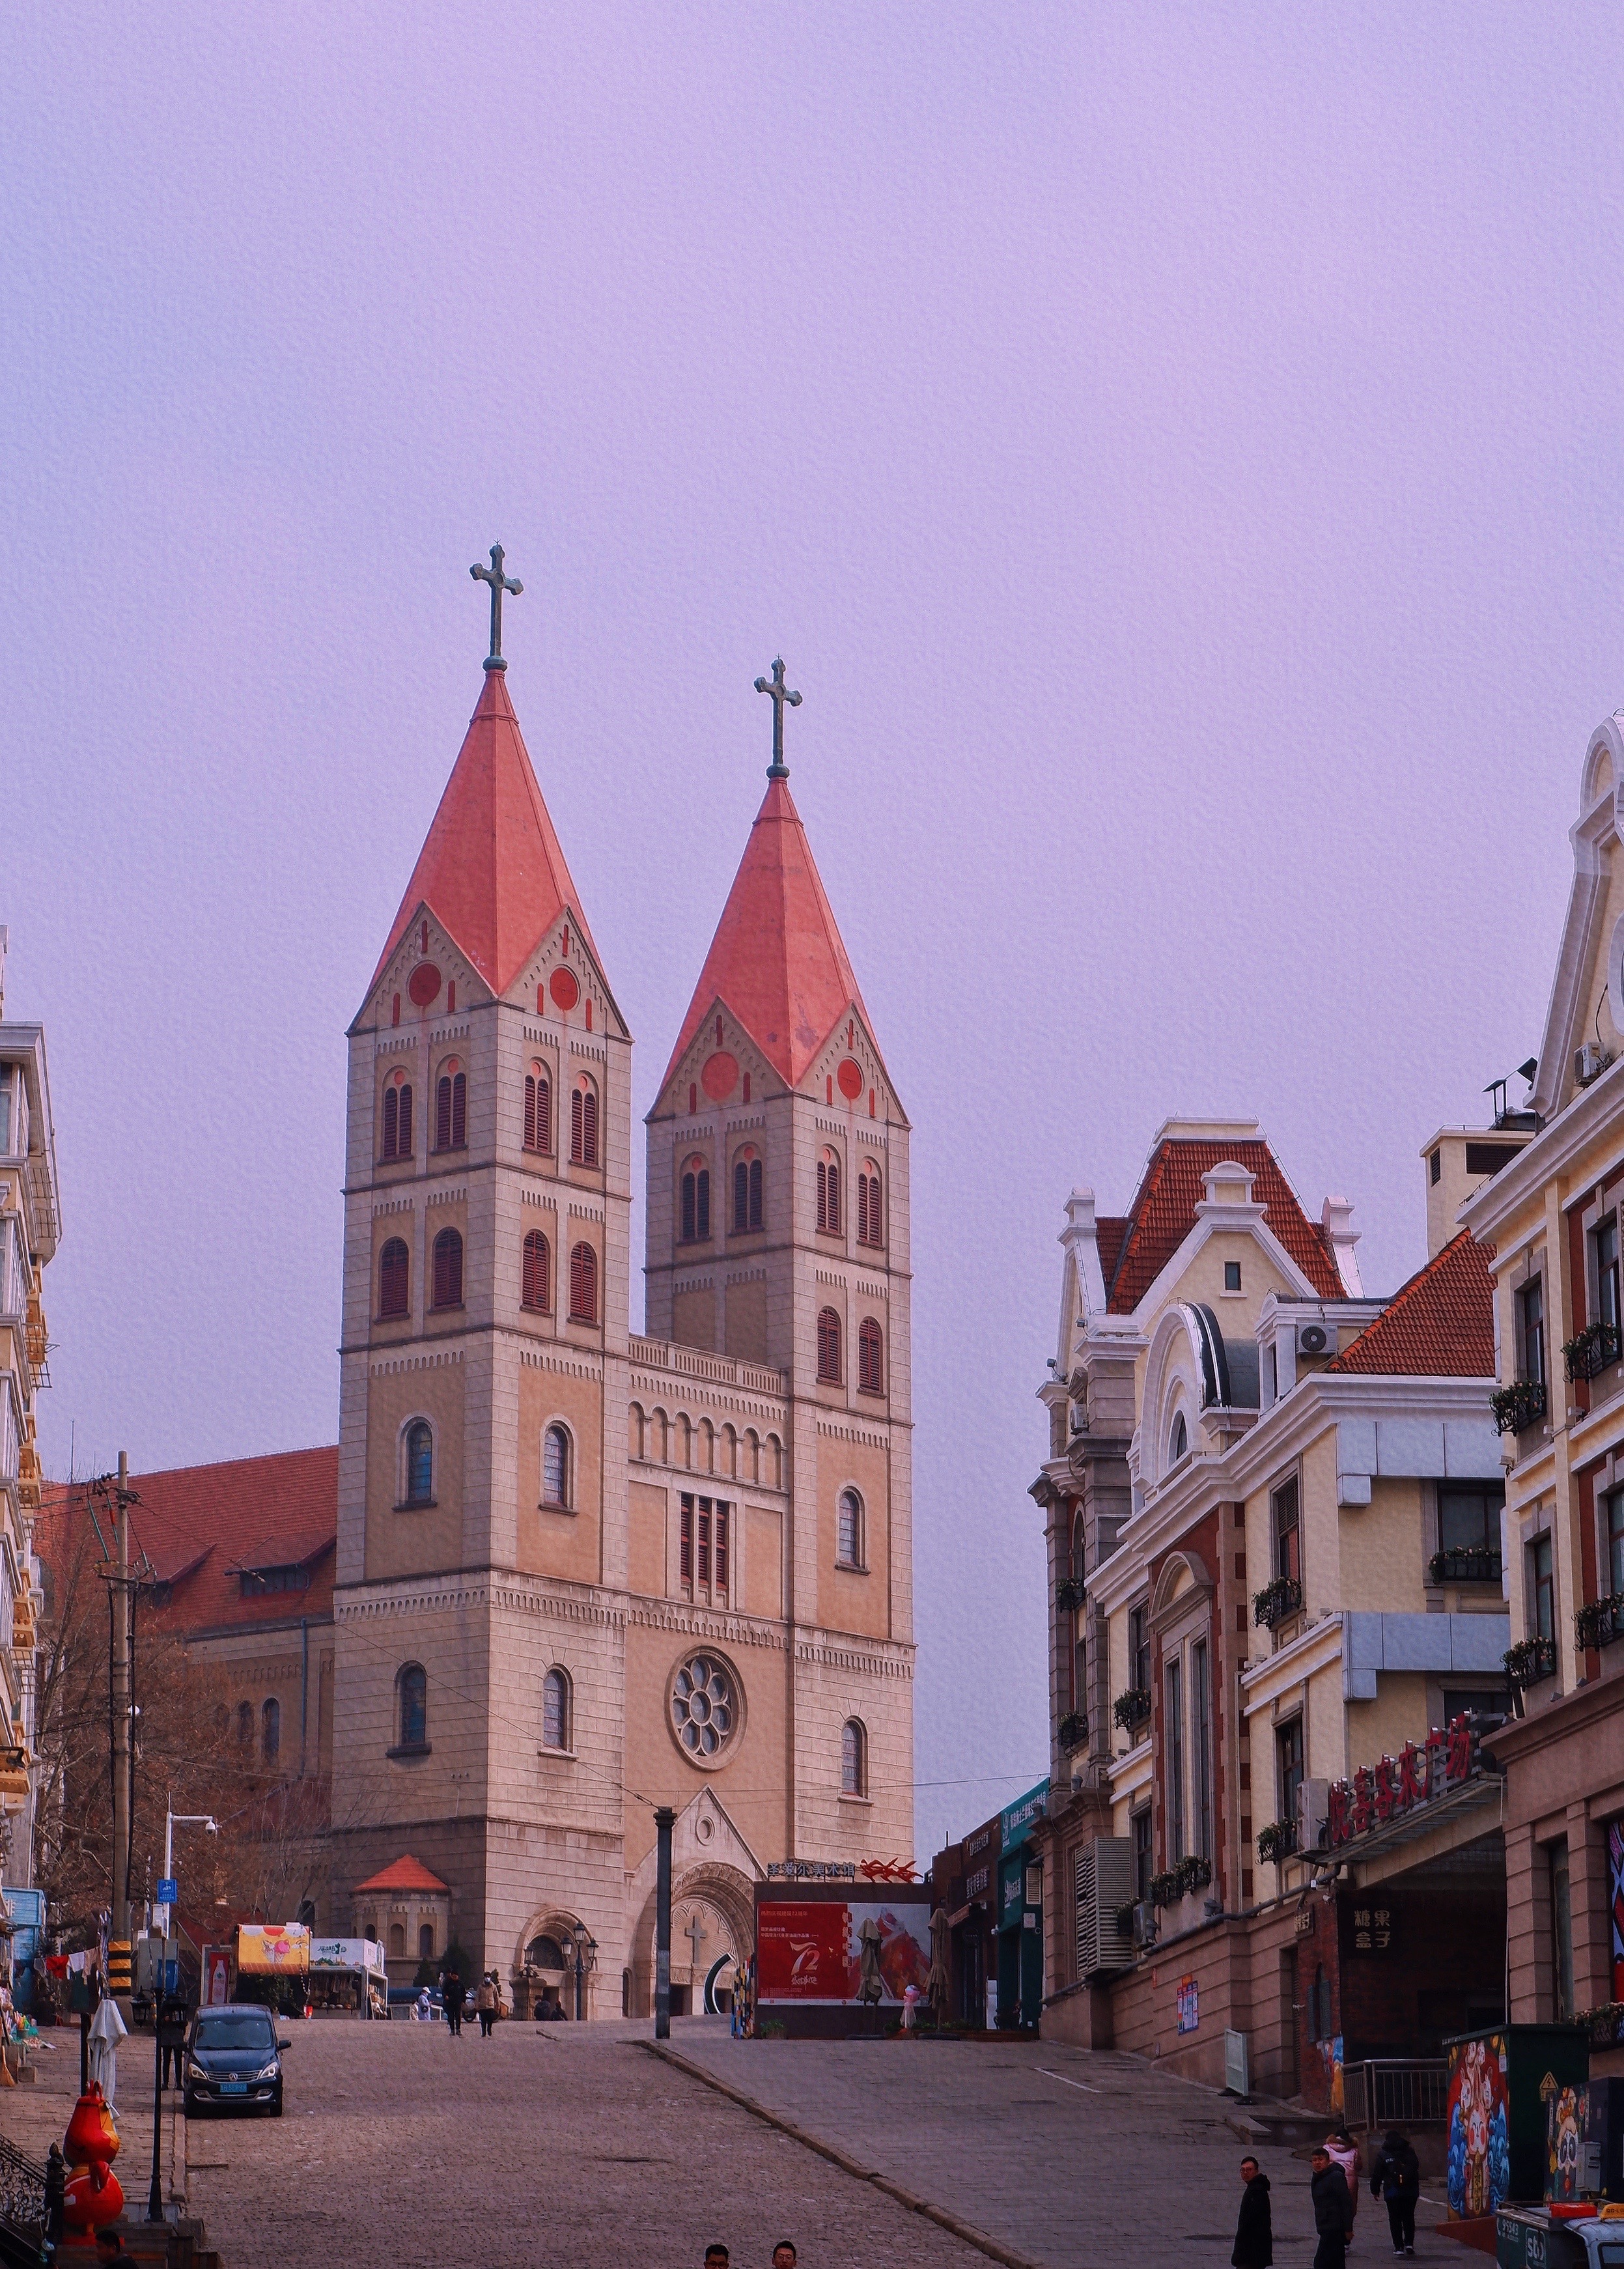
{"points": [[118, 1943], [664, 1820]]}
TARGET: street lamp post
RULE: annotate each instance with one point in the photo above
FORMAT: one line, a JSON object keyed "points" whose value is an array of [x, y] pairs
{"points": [[155, 2195], [172, 1821], [586, 1959]]}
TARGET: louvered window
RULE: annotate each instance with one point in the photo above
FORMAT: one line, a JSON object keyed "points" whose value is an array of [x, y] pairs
{"points": [[583, 1285], [868, 1220], [451, 1112], [697, 1205], [395, 1279], [747, 1195], [537, 1272], [584, 1126], [704, 1539], [829, 1346], [419, 1462], [687, 1549], [448, 1270], [870, 1358], [397, 1122], [721, 1547], [829, 1194], [537, 1113]]}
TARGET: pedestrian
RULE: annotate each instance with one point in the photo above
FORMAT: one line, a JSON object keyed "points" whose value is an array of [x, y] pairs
{"points": [[715, 2257], [784, 2254], [485, 2003], [453, 2004], [1334, 2217], [111, 2251], [1254, 2230], [1396, 2178], [1345, 2153]]}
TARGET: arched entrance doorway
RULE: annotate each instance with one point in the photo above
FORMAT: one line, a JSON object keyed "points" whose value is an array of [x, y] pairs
{"points": [[543, 1978], [712, 1927]]}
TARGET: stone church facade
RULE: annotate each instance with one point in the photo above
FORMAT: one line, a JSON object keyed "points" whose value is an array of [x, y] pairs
{"points": [[582, 1571]]}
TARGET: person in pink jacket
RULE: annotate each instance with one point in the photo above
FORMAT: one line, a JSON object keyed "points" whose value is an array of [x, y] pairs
{"points": [[1344, 2153]]}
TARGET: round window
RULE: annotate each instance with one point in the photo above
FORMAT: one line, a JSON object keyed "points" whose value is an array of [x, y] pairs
{"points": [[704, 1707]]}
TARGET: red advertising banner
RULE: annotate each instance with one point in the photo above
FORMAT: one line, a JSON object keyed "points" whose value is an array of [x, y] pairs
{"points": [[811, 1950]]}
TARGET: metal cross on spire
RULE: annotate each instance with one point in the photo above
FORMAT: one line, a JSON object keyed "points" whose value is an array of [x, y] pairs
{"points": [[499, 583], [775, 686]]}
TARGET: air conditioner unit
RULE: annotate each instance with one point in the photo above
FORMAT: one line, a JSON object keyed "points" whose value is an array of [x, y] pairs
{"points": [[1590, 1062], [1316, 1338], [1102, 1878], [1313, 1812]]}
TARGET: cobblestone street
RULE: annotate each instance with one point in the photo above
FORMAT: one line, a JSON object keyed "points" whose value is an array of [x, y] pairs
{"points": [[554, 2145]]}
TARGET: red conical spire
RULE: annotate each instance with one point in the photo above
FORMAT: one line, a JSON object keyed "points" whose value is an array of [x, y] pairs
{"points": [[492, 868], [777, 959]]}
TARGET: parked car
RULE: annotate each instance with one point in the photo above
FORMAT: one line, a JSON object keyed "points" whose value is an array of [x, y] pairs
{"points": [[233, 2061]]}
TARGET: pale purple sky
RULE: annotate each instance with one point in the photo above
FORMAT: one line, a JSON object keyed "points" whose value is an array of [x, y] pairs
{"points": [[1176, 451]]}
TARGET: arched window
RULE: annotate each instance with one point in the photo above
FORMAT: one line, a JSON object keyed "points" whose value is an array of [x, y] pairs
{"points": [[1179, 1444], [419, 1462], [395, 1279], [425, 1942], [584, 1123], [849, 1529], [545, 1953], [538, 1292], [747, 1192], [870, 1358], [271, 1731], [695, 1203], [829, 1346], [538, 1110], [583, 1285], [448, 1270], [829, 1193], [411, 1691], [245, 1725], [451, 1109], [555, 1466], [397, 1121], [870, 1230], [556, 1710], [854, 1759]]}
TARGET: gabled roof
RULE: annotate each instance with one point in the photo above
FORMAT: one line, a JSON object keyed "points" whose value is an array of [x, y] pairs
{"points": [[1441, 1325], [200, 1527], [492, 868], [1163, 1214], [777, 961], [404, 1874]]}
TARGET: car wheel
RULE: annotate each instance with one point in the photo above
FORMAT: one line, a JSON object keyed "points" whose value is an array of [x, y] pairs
{"points": [[188, 2105], [276, 2105]]}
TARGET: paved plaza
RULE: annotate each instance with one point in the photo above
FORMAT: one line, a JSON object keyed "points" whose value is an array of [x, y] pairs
{"points": [[550, 2145]]}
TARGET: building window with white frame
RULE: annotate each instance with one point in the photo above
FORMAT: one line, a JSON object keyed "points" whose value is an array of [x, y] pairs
{"points": [[1201, 1747], [556, 1712], [1173, 1755], [849, 1530], [854, 1759], [556, 1462]]}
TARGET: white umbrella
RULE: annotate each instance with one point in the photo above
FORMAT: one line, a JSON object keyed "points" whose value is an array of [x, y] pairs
{"points": [[107, 2029]]}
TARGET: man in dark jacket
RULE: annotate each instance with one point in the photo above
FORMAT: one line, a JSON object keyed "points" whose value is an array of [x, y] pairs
{"points": [[1333, 2213], [1254, 2233], [1397, 2178]]}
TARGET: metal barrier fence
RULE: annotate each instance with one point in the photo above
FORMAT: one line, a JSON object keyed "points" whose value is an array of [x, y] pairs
{"points": [[1396, 2093], [22, 2190]]}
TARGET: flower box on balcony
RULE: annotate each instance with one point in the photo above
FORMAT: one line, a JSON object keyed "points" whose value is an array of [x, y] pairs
{"points": [[1132, 1709], [1590, 1351], [1190, 1873], [1601, 1621], [1072, 1732], [1068, 1594], [1530, 1660], [1277, 1842], [1519, 1405], [1275, 1601], [1606, 2023], [1475, 1563]]}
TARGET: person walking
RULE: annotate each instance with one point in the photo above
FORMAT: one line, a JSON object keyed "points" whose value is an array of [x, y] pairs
{"points": [[1334, 2217], [1396, 2178], [1254, 2230], [784, 2254], [485, 2005], [454, 1998], [1344, 2153]]}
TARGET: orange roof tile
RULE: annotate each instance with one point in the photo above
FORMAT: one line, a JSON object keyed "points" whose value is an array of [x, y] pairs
{"points": [[492, 868], [777, 960], [1163, 1214], [1441, 1325], [404, 1874]]}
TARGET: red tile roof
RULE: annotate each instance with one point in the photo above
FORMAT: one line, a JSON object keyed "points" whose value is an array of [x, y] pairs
{"points": [[777, 960], [1163, 1214], [1441, 1325], [403, 1874], [492, 868], [201, 1528]]}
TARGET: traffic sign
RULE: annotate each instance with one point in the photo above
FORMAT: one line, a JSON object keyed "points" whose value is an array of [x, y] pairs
{"points": [[168, 1891]]}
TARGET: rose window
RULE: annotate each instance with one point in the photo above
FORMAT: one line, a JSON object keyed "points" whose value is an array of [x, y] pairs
{"points": [[705, 1706]]}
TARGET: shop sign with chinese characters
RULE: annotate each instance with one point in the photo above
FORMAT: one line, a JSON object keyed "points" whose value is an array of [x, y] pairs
{"points": [[1404, 1783], [1372, 1929]]}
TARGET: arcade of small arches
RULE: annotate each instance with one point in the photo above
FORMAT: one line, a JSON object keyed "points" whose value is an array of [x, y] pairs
{"points": [[659, 1437]]}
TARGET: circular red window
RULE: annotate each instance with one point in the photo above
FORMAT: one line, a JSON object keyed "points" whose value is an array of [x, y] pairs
{"points": [[851, 1078], [424, 985], [720, 1076], [565, 990]]}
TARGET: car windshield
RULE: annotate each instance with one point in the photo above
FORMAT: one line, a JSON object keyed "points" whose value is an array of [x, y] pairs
{"points": [[234, 2028]]}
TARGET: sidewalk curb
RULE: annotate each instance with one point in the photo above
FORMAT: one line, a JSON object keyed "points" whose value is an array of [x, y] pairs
{"points": [[939, 2214]]}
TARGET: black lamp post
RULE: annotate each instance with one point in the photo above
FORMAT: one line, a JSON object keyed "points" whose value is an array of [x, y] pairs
{"points": [[586, 1959]]}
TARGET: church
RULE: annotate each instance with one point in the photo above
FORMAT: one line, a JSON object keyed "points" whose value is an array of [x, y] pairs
{"points": [[584, 1571]]}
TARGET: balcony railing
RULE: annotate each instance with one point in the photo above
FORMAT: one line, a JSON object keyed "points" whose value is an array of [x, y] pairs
{"points": [[1190, 1873], [1275, 1601], [1600, 1622], [1470, 1563], [1072, 1731], [1132, 1709], [1530, 1660], [1382, 2094], [1590, 1351], [1277, 1842], [1519, 1405]]}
